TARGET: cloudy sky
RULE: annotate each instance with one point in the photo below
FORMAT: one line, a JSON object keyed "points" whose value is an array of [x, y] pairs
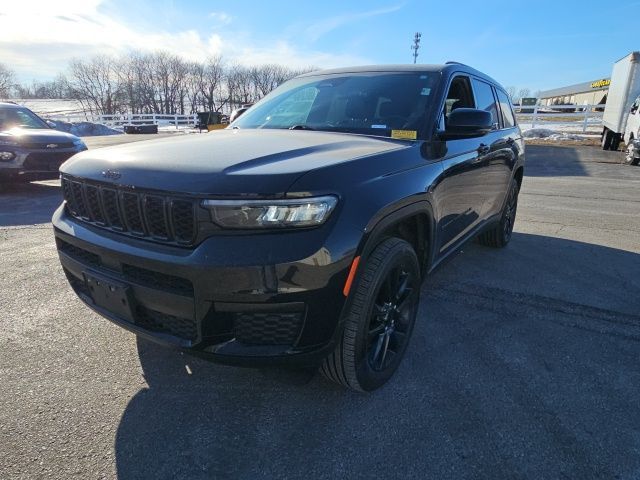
{"points": [[542, 44]]}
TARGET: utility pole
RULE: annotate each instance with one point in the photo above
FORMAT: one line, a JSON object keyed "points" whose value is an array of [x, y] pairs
{"points": [[416, 45]]}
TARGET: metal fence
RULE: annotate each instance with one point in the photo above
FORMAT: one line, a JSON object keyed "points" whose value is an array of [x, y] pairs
{"points": [[581, 117]]}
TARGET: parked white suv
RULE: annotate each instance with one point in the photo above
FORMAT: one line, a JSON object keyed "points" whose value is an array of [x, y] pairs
{"points": [[632, 134]]}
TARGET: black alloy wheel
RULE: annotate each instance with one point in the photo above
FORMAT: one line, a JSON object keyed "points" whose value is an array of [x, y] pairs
{"points": [[379, 318], [499, 235], [391, 319]]}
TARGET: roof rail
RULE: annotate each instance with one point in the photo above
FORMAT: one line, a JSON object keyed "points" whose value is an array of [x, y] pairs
{"points": [[451, 62]]}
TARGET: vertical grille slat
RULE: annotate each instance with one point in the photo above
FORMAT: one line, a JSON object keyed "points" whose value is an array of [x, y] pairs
{"points": [[144, 215], [132, 213], [92, 195], [78, 201], [111, 209], [183, 221], [156, 217]]}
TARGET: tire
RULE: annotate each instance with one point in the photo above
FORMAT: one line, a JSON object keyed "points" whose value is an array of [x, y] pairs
{"points": [[500, 234], [607, 137], [379, 319], [629, 158]]}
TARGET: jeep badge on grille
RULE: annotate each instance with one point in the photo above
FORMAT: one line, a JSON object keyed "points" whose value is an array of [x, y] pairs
{"points": [[111, 174]]}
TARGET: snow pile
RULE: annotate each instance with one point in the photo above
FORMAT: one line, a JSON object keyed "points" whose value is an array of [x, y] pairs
{"points": [[86, 129], [548, 134]]}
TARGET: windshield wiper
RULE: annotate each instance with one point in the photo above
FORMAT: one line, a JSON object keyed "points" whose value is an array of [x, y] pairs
{"points": [[301, 127]]}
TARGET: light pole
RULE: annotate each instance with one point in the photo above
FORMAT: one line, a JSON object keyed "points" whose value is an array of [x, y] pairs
{"points": [[416, 45]]}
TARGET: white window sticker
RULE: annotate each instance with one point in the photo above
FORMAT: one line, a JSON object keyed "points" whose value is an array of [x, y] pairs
{"points": [[378, 126], [425, 91]]}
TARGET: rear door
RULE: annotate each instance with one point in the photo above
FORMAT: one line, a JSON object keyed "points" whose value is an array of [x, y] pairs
{"points": [[502, 159]]}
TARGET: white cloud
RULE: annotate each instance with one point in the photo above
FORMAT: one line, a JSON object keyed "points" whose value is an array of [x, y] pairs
{"points": [[38, 39], [221, 17], [322, 27]]}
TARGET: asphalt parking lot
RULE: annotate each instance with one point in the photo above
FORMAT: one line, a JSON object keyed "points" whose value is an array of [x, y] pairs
{"points": [[525, 362]]}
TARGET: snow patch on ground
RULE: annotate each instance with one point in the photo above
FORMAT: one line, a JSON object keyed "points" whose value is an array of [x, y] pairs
{"points": [[593, 130], [86, 129], [548, 134]]}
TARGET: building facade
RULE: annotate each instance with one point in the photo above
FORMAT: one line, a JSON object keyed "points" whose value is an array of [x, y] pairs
{"points": [[587, 93]]}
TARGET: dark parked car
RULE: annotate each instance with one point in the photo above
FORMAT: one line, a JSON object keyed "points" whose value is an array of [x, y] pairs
{"points": [[29, 147], [300, 234]]}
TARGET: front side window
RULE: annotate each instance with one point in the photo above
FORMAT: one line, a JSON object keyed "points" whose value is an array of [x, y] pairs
{"points": [[459, 95], [373, 103], [485, 99], [19, 118], [508, 119]]}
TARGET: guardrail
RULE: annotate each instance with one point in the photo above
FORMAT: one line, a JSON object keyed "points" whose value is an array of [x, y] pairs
{"points": [[580, 116], [117, 120]]}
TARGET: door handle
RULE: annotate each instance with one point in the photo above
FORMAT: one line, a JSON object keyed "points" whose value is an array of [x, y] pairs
{"points": [[484, 149]]}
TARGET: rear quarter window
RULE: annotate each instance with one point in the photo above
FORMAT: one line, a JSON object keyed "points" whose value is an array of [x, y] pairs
{"points": [[508, 118]]}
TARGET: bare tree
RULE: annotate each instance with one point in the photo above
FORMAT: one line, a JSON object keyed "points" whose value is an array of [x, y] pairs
{"points": [[511, 91], [96, 85], [523, 93], [6, 81], [162, 82]]}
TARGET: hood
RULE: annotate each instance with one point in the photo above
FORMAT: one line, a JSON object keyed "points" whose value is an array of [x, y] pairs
{"points": [[23, 136], [225, 162]]}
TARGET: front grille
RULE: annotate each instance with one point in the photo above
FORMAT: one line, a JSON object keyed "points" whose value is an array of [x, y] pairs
{"points": [[43, 146], [81, 255], [163, 323], [267, 328], [158, 280], [79, 286], [160, 218], [141, 276], [47, 161]]}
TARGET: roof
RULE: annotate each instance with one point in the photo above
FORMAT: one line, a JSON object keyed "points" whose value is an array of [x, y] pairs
{"points": [[9, 104], [577, 88], [448, 67]]}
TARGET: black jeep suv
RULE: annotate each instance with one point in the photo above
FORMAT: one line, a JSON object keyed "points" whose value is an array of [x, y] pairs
{"points": [[300, 234]]}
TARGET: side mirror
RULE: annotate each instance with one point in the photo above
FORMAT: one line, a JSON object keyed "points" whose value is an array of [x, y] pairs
{"points": [[468, 122], [51, 123]]}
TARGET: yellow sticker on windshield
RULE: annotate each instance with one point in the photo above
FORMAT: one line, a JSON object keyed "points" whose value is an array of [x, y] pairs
{"points": [[404, 134]]}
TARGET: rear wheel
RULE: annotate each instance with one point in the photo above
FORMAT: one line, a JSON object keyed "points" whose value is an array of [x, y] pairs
{"points": [[379, 319], [615, 142], [607, 137], [499, 235]]}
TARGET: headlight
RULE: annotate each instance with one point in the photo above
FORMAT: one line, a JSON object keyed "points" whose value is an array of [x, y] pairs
{"points": [[6, 156], [298, 212]]}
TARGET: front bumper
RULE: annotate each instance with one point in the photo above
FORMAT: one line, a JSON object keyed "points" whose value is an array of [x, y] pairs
{"points": [[35, 164], [238, 299]]}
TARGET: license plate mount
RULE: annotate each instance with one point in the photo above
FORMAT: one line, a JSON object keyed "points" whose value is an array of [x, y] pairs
{"points": [[110, 295]]}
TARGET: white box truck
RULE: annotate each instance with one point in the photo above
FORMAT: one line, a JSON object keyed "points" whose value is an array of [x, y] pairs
{"points": [[621, 118]]}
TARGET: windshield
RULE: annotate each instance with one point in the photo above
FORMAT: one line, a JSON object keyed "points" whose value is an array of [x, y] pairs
{"points": [[20, 118], [384, 104]]}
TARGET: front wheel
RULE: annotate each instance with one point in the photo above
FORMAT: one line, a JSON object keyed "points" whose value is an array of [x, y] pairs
{"points": [[379, 319], [630, 158]]}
